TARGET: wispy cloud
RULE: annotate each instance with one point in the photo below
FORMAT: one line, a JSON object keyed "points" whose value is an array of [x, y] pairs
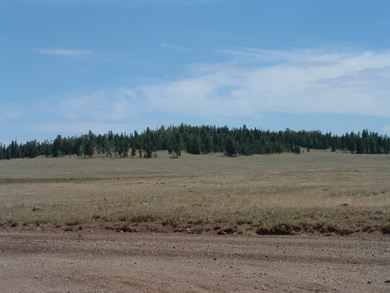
{"points": [[301, 55], [129, 3], [99, 106], [303, 81], [77, 128], [386, 129], [11, 112], [63, 52], [173, 47]]}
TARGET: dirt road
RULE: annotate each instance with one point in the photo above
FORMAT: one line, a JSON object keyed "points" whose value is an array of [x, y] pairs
{"points": [[101, 262]]}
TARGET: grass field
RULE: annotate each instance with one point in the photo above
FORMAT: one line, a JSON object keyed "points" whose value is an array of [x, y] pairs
{"points": [[316, 191]]}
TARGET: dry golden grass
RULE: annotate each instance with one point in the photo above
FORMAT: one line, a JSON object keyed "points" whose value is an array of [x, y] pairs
{"points": [[315, 190]]}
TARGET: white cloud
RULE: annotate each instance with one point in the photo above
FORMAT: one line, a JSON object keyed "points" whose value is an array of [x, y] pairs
{"points": [[302, 81], [297, 82], [63, 52], [101, 105], [279, 56], [204, 95], [251, 83]]}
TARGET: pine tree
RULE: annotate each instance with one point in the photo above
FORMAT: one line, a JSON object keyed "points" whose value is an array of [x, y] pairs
{"points": [[148, 150], [170, 150], [194, 145], [230, 148], [89, 148], [177, 150], [133, 150], [56, 150], [206, 143]]}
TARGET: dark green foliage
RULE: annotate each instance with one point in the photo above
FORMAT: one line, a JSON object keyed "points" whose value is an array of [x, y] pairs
{"points": [[31, 149], [193, 145], [133, 150], [177, 151], [89, 148], [198, 140], [170, 150], [56, 149], [206, 141], [230, 148], [148, 150], [296, 149], [123, 146]]}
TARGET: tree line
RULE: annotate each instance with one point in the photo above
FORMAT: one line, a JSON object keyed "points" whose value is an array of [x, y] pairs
{"points": [[198, 140]]}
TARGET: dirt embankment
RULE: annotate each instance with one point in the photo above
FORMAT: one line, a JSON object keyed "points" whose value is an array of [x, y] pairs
{"points": [[115, 262]]}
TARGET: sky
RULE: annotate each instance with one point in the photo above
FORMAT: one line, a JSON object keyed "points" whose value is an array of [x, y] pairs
{"points": [[70, 66]]}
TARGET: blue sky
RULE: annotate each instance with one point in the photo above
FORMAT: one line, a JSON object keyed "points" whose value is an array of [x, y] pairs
{"points": [[69, 66]]}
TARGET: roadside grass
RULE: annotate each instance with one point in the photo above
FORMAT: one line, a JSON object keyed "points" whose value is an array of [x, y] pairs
{"points": [[318, 191]]}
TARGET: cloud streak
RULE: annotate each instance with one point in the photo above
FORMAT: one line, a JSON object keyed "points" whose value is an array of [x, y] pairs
{"points": [[296, 82], [11, 112], [173, 47], [113, 106], [77, 128], [63, 52], [128, 3], [386, 129]]}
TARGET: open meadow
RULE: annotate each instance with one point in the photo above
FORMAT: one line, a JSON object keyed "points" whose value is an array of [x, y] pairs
{"points": [[316, 191], [76, 240]]}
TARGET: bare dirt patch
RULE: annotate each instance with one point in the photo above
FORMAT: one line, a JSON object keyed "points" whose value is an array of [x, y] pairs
{"points": [[112, 262]]}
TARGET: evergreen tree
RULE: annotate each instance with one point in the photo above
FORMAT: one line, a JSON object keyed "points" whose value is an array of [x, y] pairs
{"points": [[230, 148], [133, 150], [206, 143], [8, 153], [170, 151], [359, 145], [89, 148], [194, 146], [56, 150], [198, 140], [177, 150], [148, 150]]}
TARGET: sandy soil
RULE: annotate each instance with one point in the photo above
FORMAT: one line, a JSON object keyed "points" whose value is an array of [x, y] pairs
{"points": [[137, 262]]}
